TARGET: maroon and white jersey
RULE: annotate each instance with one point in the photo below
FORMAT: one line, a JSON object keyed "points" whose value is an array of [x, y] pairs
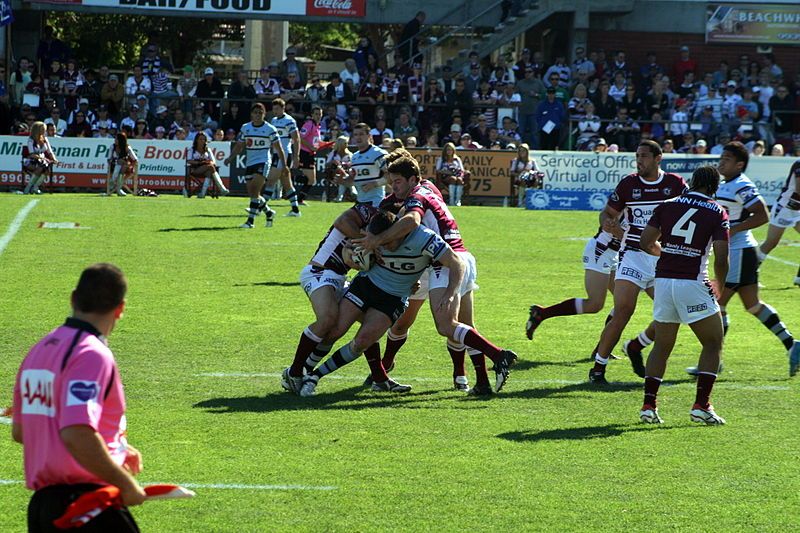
{"points": [[636, 199], [329, 251], [689, 225], [606, 241], [435, 215], [790, 193], [394, 204]]}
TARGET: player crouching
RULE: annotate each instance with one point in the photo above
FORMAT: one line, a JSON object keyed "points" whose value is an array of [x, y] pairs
{"points": [[687, 228]]}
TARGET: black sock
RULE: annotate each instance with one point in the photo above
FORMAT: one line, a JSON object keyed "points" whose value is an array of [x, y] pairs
{"points": [[769, 317], [252, 211]]}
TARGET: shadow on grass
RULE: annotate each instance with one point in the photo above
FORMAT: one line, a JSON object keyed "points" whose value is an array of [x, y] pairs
{"points": [[213, 216], [269, 284], [201, 228], [585, 387], [525, 364], [580, 433], [351, 399]]}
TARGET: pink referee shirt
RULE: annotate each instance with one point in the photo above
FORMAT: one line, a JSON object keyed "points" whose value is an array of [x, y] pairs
{"points": [[311, 135], [68, 378]]}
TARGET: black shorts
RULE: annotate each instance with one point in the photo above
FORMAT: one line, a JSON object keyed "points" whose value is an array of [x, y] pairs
{"points": [[743, 269], [49, 503], [365, 295], [260, 168], [276, 162], [307, 160]]}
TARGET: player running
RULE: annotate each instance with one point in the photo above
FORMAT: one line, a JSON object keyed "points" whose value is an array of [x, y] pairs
{"points": [[367, 167], [257, 137], [424, 206], [785, 214], [635, 198], [323, 280], [687, 227], [290, 142], [378, 297], [747, 211]]}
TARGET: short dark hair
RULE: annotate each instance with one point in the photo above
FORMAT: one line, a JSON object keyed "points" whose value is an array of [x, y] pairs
{"points": [[405, 166], [655, 148], [739, 152], [279, 102], [380, 222], [362, 126], [706, 176], [259, 106], [101, 288]]}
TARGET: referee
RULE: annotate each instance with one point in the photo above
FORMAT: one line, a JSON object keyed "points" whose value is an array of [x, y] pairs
{"points": [[69, 410]]}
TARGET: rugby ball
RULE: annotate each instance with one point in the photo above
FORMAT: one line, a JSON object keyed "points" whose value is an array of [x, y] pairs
{"points": [[360, 258]]}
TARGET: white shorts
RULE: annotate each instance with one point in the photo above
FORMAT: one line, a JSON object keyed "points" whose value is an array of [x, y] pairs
{"points": [[683, 301], [603, 263], [783, 217], [313, 278], [422, 292], [638, 267], [439, 275]]}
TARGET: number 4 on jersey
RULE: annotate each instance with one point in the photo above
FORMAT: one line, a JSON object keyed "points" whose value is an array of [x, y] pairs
{"points": [[685, 227]]}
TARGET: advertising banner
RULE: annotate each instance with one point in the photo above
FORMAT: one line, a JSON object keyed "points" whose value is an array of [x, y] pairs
{"points": [[321, 8], [753, 23], [84, 162], [489, 169]]}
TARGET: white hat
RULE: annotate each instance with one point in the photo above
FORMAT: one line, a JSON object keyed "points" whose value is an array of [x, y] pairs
{"points": [[161, 109], [83, 101], [701, 142], [208, 71], [455, 127]]}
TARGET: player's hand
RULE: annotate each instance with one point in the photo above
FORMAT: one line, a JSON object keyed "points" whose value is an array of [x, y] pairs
{"points": [[449, 306], [295, 163], [369, 242], [716, 288], [285, 172], [133, 460], [415, 287], [133, 495]]}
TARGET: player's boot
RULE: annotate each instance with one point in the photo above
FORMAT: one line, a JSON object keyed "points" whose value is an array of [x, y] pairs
{"points": [[291, 383], [294, 214], [637, 361], [7, 413], [694, 371], [390, 385], [649, 415], [503, 368], [534, 319], [597, 378], [797, 281], [460, 383], [270, 216], [309, 387], [705, 415], [794, 359], [246, 225], [481, 389], [368, 382]]}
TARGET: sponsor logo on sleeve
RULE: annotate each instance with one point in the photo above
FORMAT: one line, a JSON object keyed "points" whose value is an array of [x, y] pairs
{"points": [[81, 392], [36, 389], [667, 191]]}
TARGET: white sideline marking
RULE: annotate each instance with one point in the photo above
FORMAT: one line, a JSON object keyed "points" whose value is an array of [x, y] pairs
{"points": [[16, 224], [5, 420], [732, 386], [234, 486], [784, 261]]}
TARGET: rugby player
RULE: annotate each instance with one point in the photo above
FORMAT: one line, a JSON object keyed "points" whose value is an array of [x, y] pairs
{"points": [[422, 206], [635, 198], [747, 211], [378, 297], [687, 227], [785, 214], [257, 137], [290, 142], [323, 280], [367, 167]]}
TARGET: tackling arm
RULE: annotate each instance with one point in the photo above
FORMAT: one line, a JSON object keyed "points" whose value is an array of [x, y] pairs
{"points": [[402, 227], [349, 223]]}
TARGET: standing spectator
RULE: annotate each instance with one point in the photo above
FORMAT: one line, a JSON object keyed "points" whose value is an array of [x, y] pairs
{"points": [[582, 63], [51, 49], [112, 94], [433, 100], [350, 74], [460, 99], [684, 64], [338, 93], [210, 93], [525, 62], [720, 76], [370, 94], [151, 62], [447, 83], [486, 96], [242, 91], [20, 79], [80, 443], [266, 87], [530, 88], [560, 67], [361, 53], [768, 64], [408, 42], [450, 171], [472, 81], [550, 117], [187, 88], [162, 88], [290, 65], [509, 100], [54, 87], [781, 105], [137, 84]]}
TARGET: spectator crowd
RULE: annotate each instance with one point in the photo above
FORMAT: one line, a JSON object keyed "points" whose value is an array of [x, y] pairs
{"points": [[597, 101]]}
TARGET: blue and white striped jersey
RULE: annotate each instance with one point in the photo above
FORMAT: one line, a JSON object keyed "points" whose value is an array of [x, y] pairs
{"points": [[736, 196], [258, 141], [368, 166], [397, 271], [286, 126]]}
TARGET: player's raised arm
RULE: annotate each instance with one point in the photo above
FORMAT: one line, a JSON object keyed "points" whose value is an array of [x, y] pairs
{"points": [[349, 223]]}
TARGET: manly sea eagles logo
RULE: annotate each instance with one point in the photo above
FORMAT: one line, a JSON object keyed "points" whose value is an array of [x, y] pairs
{"points": [[667, 191], [636, 193]]}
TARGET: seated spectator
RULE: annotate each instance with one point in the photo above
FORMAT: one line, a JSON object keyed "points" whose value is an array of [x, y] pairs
{"points": [[392, 89], [480, 131], [112, 95], [404, 128], [151, 62], [577, 104], [363, 50], [373, 67], [620, 64], [723, 139], [459, 99], [137, 83], [242, 91], [54, 84], [759, 148], [657, 100], [655, 129], [474, 79], [266, 87], [83, 107], [623, 130], [588, 127], [369, 94], [315, 92], [686, 143], [292, 89], [668, 147], [55, 119], [187, 88], [230, 135], [604, 104], [339, 93], [508, 133], [600, 146], [130, 120], [687, 87], [350, 73], [73, 80], [160, 133], [80, 127], [162, 88], [486, 96], [36, 86], [777, 151], [234, 118], [679, 122], [411, 142], [161, 118], [332, 117], [509, 100], [466, 143], [50, 131], [617, 89], [90, 90], [650, 68], [380, 131], [633, 102], [700, 147], [210, 93], [562, 69]]}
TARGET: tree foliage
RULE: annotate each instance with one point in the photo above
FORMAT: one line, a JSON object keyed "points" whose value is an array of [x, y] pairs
{"points": [[117, 40], [312, 37]]}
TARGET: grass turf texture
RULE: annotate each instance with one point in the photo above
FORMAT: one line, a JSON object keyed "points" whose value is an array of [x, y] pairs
{"points": [[548, 453]]}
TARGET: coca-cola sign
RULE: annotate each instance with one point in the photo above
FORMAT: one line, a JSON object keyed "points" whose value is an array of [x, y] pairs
{"points": [[336, 8]]}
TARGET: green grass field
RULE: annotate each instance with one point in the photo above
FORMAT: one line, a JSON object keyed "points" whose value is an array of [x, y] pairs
{"points": [[214, 314]]}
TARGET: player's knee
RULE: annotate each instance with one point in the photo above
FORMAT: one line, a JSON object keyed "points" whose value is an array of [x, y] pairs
{"points": [[754, 310], [445, 328], [623, 312], [593, 305], [324, 325], [399, 330], [360, 343]]}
